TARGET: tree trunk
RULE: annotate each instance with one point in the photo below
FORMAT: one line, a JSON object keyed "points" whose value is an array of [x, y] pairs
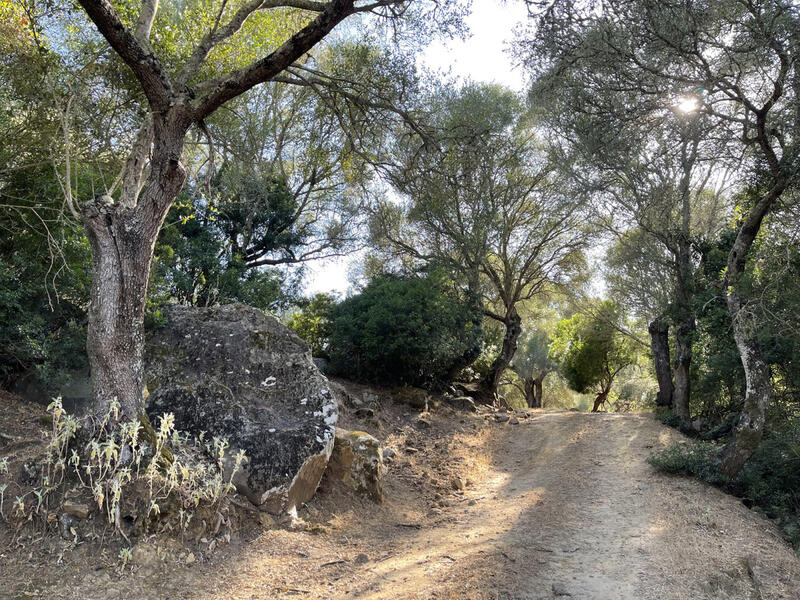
{"points": [[659, 344], [758, 393], [748, 431], [122, 237], [600, 400], [513, 324], [533, 392], [683, 363]]}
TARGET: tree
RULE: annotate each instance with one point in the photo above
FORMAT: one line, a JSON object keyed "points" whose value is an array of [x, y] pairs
{"points": [[737, 64], [312, 322], [532, 363], [486, 204], [184, 80], [591, 351]]}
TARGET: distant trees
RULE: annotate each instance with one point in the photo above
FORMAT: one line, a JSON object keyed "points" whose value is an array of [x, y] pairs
{"points": [[591, 350], [484, 201], [312, 322], [734, 63], [532, 363]]}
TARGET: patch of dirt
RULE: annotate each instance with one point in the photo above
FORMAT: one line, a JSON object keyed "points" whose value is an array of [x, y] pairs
{"points": [[558, 505]]}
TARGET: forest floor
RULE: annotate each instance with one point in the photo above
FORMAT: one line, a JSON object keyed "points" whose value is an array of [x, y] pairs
{"points": [[560, 505]]}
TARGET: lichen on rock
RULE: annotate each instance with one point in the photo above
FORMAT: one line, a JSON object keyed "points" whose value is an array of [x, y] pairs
{"points": [[357, 461], [235, 373]]}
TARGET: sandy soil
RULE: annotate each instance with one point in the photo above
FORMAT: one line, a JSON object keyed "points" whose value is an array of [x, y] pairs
{"points": [[561, 505]]}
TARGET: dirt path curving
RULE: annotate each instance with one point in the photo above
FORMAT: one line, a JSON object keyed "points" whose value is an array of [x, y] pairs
{"points": [[560, 505], [567, 507]]}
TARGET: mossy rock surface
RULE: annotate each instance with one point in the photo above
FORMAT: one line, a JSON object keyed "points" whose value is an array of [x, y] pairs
{"points": [[235, 373], [357, 462]]}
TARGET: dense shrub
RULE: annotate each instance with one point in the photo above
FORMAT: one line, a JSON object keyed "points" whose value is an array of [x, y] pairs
{"points": [[403, 330]]}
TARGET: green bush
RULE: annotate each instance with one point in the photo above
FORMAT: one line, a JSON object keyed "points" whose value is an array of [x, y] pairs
{"points": [[403, 331]]}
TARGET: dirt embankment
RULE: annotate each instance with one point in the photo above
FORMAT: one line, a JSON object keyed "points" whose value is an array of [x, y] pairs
{"points": [[561, 504]]}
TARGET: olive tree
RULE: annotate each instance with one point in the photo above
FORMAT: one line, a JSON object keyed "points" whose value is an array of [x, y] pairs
{"points": [[187, 61], [737, 64], [487, 203]]}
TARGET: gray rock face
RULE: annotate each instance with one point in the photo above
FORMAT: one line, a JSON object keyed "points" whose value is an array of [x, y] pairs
{"points": [[238, 374]]}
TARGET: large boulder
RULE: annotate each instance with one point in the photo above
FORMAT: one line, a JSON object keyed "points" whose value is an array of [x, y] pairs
{"points": [[238, 374], [357, 462]]}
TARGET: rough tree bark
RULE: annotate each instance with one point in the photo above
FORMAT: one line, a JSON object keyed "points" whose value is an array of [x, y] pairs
{"points": [[513, 325], [122, 233], [683, 363], [659, 345], [749, 429], [533, 391]]}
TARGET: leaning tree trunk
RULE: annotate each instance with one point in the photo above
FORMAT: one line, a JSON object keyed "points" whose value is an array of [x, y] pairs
{"points": [[659, 344], [513, 324], [122, 237], [601, 398], [683, 363], [750, 428], [748, 431]]}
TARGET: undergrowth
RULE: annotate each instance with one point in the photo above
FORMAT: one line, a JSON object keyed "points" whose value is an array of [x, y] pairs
{"points": [[768, 483], [118, 465]]}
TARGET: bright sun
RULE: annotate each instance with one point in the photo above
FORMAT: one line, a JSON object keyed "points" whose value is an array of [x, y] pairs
{"points": [[687, 104]]}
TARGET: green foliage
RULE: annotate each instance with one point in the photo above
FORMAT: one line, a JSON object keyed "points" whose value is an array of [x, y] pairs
{"points": [[206, 252], [590, 348], [402, 330], [312, 322], [44, 282], [532, 358], [667, 417]]}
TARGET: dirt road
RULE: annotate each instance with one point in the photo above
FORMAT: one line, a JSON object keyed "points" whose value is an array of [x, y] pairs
{"points": [[567, 507], [561, 505]]}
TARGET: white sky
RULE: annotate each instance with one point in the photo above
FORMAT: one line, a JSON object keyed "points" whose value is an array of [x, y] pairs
{"points": [[481, 57]]}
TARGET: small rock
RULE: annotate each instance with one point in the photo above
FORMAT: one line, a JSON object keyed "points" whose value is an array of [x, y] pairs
{"points": [[361, 559], [435, 511], [514, 421], [457, 483], [389, 453], [357, 461], [501, 417], [414, 397], [190, 559], [76, 509], [560, 590], [462, 403], [68, 527], [364, 413], [472, 502]]}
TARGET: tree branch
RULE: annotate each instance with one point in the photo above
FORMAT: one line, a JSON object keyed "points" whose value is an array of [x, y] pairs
{"points": [[141, 59], [241, 80]]}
